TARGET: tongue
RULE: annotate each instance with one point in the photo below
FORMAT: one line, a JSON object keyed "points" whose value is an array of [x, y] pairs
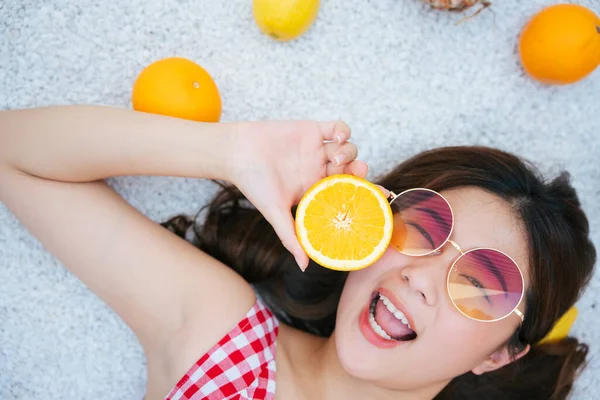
{"points": [[390, 324]]}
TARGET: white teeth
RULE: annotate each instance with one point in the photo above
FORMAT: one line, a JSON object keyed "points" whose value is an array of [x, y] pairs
{"points": [[378, 330], [397, 313], [401, 317]]}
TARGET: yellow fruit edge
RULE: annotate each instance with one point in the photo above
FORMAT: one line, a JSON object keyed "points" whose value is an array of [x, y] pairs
{"points": [[343, 265], [283, 32], [562, 327]]}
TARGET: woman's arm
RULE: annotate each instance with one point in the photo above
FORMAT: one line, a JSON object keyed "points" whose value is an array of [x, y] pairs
{"points": [[88, 143], [177, 300]]}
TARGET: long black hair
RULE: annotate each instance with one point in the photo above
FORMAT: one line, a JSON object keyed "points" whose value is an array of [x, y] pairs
{"points": [[561, 260]]}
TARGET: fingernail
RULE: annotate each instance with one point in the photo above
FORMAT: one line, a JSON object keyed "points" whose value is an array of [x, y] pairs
{"points": [[300, 264], [339, 138], [339, 159]]}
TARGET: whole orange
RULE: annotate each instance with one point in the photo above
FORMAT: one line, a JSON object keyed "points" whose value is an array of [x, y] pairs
{"points": [[177, 87], [561, 44]]}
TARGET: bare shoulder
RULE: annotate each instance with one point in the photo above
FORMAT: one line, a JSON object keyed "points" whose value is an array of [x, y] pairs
{"points": [[178, 300], [210, 315]]}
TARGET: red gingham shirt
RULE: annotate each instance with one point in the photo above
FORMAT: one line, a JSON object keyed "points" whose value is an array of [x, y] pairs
{"points": [[240, 367]]}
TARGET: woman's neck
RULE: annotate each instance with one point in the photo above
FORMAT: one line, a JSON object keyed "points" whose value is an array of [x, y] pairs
{"points": [[308, 368]]}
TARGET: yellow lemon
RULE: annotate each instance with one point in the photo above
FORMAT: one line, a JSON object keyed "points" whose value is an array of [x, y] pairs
{"points": [[562, 327], [285, 19]]}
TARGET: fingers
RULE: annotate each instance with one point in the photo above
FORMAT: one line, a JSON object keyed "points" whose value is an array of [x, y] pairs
{"points": [[384, 190], [357, 168], [282, 221], [339, 155], [338, 131]]}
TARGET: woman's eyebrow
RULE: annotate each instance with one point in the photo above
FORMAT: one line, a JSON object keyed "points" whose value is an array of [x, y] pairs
{"points": [[493, 269], [436, 216]]}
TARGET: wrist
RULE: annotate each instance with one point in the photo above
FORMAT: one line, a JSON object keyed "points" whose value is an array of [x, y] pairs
{"points": [[201, 150], [237, 157]]}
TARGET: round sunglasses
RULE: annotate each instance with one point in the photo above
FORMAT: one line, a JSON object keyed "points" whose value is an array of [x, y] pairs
{"points": [[484, 284]]}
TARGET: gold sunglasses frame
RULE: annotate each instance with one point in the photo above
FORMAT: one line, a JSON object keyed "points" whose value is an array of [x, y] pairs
{"points": [[392, 197]]}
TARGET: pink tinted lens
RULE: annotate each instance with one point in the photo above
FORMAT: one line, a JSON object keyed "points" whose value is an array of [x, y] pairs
{"points": [[422, 222], [485, 284]]}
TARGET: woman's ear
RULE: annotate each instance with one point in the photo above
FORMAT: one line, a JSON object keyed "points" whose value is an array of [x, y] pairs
{"points": [[498, 360]]}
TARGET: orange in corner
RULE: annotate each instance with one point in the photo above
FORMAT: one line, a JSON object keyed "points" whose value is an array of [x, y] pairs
{"points": [[177, 87], [561, 44], [344, 223]]}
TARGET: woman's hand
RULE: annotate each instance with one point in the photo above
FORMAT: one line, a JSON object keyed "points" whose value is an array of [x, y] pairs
{"points": [[275, 163]]}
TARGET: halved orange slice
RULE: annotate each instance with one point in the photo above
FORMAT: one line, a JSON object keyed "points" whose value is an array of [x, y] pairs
{"points": [[344, 223]]}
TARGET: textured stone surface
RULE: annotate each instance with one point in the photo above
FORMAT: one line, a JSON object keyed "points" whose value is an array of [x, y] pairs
{"points": [[402, 75]]}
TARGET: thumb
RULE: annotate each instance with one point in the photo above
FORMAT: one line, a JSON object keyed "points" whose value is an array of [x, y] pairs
{"points": [[282, 221]]}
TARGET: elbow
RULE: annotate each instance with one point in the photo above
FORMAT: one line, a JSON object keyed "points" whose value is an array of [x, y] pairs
{"points": [[4, 145], [11, 129]]}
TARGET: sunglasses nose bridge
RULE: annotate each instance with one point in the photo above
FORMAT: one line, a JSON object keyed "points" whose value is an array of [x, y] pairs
{"points": [[456, 246]]}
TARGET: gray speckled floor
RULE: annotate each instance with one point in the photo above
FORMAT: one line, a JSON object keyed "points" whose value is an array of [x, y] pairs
{"points": [[404, 77]]}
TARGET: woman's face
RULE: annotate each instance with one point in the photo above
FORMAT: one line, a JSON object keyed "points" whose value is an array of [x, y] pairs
{"points": [[448, 343]]}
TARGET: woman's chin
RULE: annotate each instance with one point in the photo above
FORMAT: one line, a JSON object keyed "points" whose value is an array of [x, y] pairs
{"points": [[358, 357]]}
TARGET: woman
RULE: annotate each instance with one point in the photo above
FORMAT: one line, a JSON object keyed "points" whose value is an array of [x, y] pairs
{"points": [[190, 310]]}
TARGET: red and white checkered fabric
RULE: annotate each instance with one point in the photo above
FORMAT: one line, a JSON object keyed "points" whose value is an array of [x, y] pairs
{"points": [[240, 367]]}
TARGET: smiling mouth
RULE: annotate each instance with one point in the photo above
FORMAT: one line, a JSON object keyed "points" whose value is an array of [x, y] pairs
{"points": [[388, 322]]}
